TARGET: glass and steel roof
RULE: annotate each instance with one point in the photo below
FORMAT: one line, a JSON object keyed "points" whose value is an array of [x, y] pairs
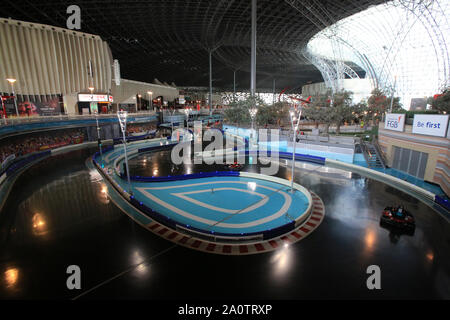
{"points": [[170, 39], [401, 45]]}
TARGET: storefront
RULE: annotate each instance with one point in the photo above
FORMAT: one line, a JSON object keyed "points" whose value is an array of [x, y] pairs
{"points": [[94, 103]]}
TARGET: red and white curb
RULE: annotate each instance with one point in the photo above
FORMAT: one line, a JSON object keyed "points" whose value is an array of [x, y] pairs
{"points": [[302, 231]]}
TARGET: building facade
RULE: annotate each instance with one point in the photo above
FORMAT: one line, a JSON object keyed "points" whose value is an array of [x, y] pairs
{"points": [[46, 70], [423, 156]]}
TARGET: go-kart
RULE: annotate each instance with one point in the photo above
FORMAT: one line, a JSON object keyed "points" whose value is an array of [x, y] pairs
{"points": [[234, 166], [398, 217]]}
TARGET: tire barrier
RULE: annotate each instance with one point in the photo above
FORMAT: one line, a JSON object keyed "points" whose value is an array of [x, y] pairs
{"points": [[442, 202], [157, 148], [134, 138], [184, 176], [13, 168], [288, 156]]}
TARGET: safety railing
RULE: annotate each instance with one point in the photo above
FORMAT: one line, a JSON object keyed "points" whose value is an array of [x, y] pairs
{"points": [[183, 176], [36, 119], [13, 168]]}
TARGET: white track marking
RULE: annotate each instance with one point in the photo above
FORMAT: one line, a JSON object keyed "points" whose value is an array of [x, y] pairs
{"points": [[260, 203], [279, 213]]}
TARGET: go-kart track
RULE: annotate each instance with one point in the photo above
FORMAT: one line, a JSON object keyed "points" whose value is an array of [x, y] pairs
{"points": [[62, 211], [224, 212]]}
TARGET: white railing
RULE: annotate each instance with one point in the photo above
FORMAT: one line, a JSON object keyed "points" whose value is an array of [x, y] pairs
{"points": [[383, 177], [63, 117], [322, 148]]}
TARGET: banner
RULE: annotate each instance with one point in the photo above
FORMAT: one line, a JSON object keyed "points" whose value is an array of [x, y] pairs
{"points": [[432, 125], [41, 108], [395, 122]]}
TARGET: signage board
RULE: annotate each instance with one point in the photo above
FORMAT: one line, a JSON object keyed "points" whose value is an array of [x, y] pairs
{"points": [[430, 124], [395, 122], [116, 67], [86, 97]]}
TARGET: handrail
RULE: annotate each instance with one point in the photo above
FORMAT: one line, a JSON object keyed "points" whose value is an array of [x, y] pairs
{"points": [[365, 151], [383, 177], [380, 154], [36, 119]]}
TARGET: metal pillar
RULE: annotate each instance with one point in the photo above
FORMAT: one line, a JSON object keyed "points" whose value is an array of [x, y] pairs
{"points": [[11, 82], [15, 102], [210, 81], [172, 113], [253, 48], [99, 140], [234, 85], [187, 111], [294, 142], [393, 92], [122, 115], [273, 97], [253, 112]]}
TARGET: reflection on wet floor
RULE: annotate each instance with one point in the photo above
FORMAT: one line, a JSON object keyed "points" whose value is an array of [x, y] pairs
{"points": [[59, 214]]}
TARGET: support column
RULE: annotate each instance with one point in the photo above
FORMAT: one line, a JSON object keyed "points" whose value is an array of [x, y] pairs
{"points": [[234, 84], [273, 98], [253, 48], [210, 81]]}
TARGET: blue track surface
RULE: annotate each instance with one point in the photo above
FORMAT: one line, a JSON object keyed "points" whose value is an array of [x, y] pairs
{"points": [[224, 204]]}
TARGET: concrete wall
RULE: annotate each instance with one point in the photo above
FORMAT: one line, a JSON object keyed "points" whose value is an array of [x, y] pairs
{"points": [[438, 150], [70, 103], [127, 91]]}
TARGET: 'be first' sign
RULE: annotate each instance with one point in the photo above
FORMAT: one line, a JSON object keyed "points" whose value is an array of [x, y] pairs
{"points": [[432, 125], [395, 122]]}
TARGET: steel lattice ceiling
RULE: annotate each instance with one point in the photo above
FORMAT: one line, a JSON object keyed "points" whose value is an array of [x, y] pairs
{"points": [[169, 39]]}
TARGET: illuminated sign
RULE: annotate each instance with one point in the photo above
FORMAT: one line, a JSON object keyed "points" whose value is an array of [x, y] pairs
{"points": [[86, 97], [432, 125], [395, 122]]}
